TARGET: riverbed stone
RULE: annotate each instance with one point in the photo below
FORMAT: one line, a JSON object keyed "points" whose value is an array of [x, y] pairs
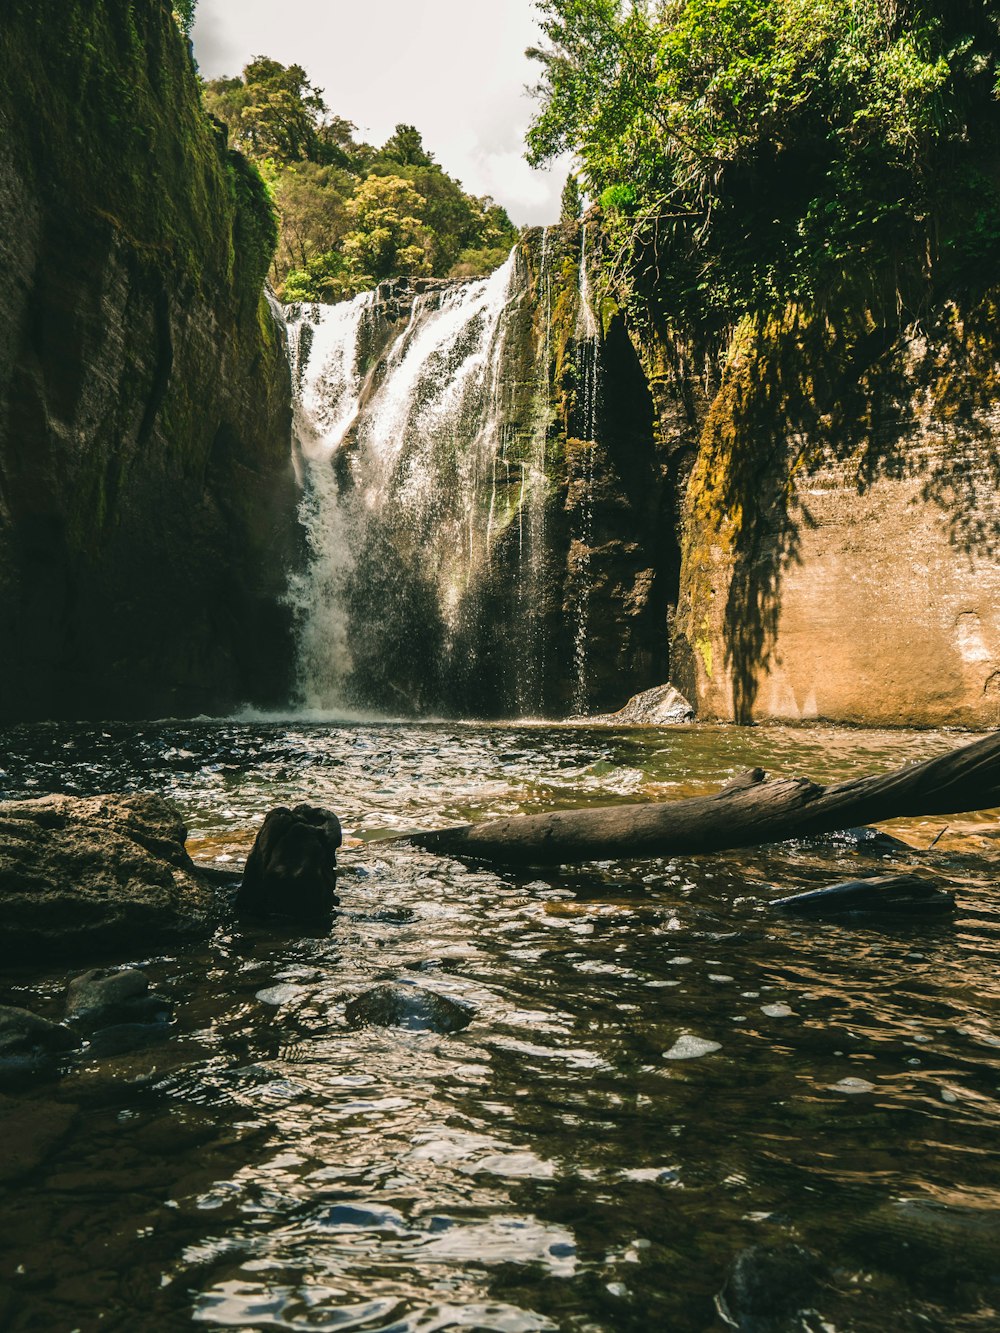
{"points": [[102, 997], [30, 1131], [411, 1007], [659, 707], [85, 877], [29, 1044], [766, 1286]]}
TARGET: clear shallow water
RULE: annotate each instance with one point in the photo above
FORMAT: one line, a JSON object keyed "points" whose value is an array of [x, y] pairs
{"points": [[660, 1071]]}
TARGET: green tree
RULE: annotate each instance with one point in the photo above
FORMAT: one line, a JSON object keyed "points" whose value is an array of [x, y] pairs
{"points": [[572, 200], [339, 232], [752, 152], [388, 237], [273, 111], [406, 147], [311, 200], [184, 14]]}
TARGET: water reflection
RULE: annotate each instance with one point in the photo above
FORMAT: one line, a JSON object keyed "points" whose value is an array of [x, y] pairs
{"points": [[658, 1074]]}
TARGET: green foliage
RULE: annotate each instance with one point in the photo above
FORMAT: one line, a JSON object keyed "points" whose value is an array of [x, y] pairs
{"points": [[571, 205], [388, 236], [273, 112], [406, 147], [184, 13], [350, 214], [754, 152]]}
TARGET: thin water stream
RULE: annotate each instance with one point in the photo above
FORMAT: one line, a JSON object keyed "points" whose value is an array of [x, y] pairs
{"points": [[659, 1073]]}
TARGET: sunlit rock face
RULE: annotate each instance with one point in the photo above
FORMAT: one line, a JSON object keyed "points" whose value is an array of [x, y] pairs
{"points": [[147, 503], [840, 528]]}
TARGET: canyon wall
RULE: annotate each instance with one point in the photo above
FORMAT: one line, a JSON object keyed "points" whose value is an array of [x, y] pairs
{"points": [[147, 503], [840, 525]]}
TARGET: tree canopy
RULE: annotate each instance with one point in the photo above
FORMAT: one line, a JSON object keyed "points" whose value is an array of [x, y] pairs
{"points": [[351, 214], [748, 153]]}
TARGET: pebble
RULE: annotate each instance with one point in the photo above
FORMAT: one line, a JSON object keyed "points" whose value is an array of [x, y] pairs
{"points": [[691, 1048]]}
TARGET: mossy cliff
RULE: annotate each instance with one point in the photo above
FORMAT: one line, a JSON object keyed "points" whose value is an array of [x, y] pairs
{"points": [[146, 497], [582, 572], [840, 519]]}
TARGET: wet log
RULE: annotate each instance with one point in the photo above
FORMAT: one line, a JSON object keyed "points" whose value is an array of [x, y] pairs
{"points": [[747, 812]]}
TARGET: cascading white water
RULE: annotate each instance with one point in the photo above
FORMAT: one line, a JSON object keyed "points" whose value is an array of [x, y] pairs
{"points": [[588, 364], [323, 350], [400, 454], [422, 426]]}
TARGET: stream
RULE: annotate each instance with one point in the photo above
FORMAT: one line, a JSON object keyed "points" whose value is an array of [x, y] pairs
{"points": [[660, 1072]]}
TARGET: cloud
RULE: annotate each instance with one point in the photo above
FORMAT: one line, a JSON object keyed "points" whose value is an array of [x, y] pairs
{"points": [[455, 70]]}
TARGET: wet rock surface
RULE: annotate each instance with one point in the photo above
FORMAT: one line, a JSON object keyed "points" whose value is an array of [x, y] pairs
{"points": [[767, 1288], [86, 877], [292, 869], [29, 1044], [662, 706], [101, 998], [877, 895], [412, 1007]]}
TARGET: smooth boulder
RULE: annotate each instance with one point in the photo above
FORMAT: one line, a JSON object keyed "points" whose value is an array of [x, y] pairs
{"points": [[101, 998], [30, 1044], [85, 877], [292, 869], [411, 1007]]}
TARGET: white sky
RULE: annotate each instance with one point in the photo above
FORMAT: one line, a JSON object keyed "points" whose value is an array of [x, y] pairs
{"points": [[454, 68]]}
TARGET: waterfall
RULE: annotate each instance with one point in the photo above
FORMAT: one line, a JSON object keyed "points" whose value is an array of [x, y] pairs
{"points": [[423, 418], [406, 459], [588, 364]]}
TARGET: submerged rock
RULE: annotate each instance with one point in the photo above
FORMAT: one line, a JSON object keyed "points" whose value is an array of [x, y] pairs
{"points": [[292, 869], [28, 1043], [408, 1007], [939, 1240], [30, 1131], [766, 1288], [659, 707], [101, 998], [85, 876], [881, 895]]}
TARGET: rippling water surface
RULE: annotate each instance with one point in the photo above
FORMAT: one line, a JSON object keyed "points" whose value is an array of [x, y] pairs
{"points": [[660, 1072]]}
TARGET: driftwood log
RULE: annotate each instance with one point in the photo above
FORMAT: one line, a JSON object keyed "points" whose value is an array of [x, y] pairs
{"points": [[747, 812]]}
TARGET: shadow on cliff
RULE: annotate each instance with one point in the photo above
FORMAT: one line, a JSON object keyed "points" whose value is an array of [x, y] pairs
{"points": [[802, 395]]}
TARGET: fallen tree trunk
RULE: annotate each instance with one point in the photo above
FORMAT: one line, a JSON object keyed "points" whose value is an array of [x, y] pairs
{"points": [[747, 812]]}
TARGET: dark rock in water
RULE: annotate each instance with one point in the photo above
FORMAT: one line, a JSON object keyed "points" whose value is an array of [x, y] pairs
{"points": [[942, 1242], [410, 1007], [101, 998], [866, 839], [29, 1131], [766, 1288], [28, 1043], [881, 895], [292, 869], [21, 1030], [86, 876], [123, 1037]]}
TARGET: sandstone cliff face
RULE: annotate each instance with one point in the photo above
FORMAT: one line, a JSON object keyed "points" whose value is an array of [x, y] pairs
{"points": [[146, 496], [841, 527]]}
